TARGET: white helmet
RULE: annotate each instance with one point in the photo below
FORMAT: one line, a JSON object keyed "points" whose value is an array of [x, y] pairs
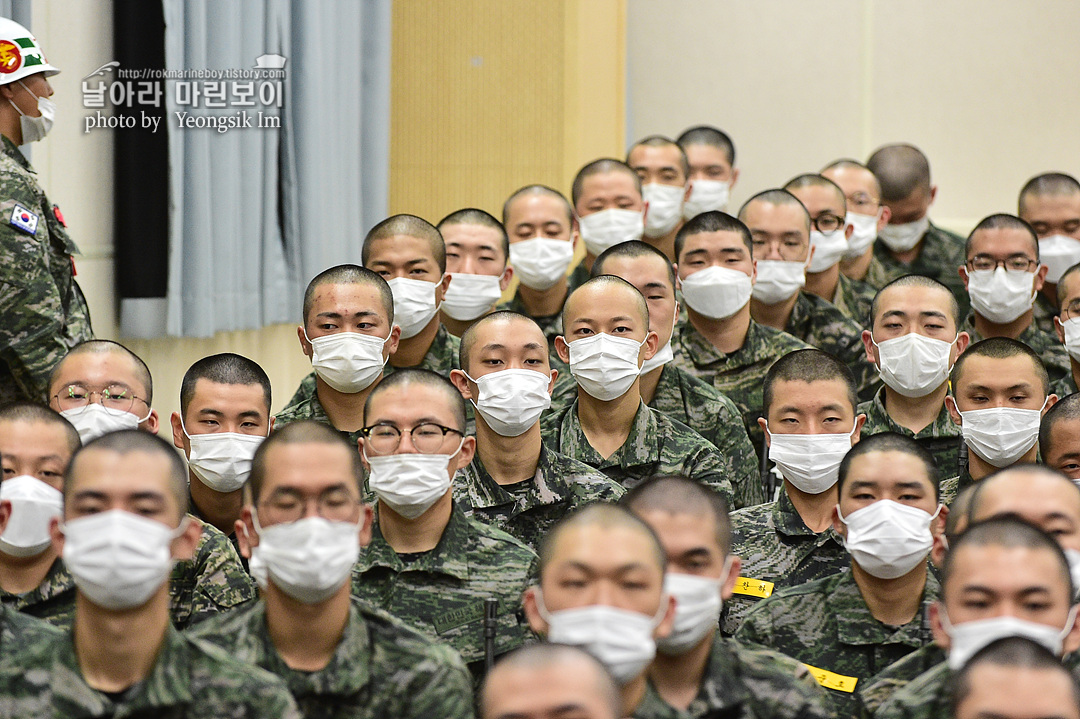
{"points": [[20, 53]]}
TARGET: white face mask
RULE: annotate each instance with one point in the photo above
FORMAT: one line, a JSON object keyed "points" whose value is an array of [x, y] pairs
{"points": [[706, 195], [410, 483], [620, 639], [1058, 253], [222, 460], [1071, 328], [36, 128], [1074, 567], [348, 361], [697, 609], [470, 296], [605, 366], [511, 401], [863, 234], [414, 304], [1001, 435], [665, 208], [811, 462], [541, 262], [663, 355], [717, 292], [888, 539], [119, 559], [829, 248], [967, 638], [914, 365], [309, 559], [94, 420], [1001, 295], [778, 280], [608, 228], [901, 238], [33, 505]]}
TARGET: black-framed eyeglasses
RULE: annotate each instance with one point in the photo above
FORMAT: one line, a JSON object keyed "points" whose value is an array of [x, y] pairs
{"points": [[283, 505], [1072, 309], [827, 222], [113, 397], [427, 437], [1016, 263]]}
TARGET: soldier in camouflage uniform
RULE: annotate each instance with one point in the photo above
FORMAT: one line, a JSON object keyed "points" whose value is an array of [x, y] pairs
{"points": [[1057, 436], [428, 564], [915, 393], [1050, 203], [729, 678], [865, 213], [608, 427], [336, 654], [829, 623], [1004, 561], [477, 248], [121, 656], [673, 391], [830, 232], [998, 372], [532, 486], [1068, 289], [43, 313], [910, 244], [610, 187], [792, 541], [665, 175], [1007, 242], [780, 226], [541, 680]]}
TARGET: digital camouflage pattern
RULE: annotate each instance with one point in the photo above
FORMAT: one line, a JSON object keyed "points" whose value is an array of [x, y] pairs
{"points": [[776, 547], [1045, 344], [1044, 313], [381, 668], [43, 313], [952, 486], [742, 682], [940, 257], [853, 298], [213, 581], [19, 631], [896, 676], [821, 324], [941, 438], [875, 272], [528, 509], [656, 445], [827, 625], [312, 409], [441, 357], [1064, 386], [738, 376], [189, 679], [687, 399], [441, 593]]}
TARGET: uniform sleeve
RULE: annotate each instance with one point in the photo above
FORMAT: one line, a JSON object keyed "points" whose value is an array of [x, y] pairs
{"points": [[446, 691], [735, 445], [706, 466], [218, 582], [756, 628]]}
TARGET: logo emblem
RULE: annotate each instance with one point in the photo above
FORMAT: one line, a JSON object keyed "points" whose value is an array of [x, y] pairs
{"points": [[10, 57]]}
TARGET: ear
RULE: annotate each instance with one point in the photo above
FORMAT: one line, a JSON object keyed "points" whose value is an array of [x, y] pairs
{"points": [[668, 622], [468, 450], [938, 550], [734, 177], [860, 420], [963, 275], [368, 514], [554, 374], [1059, 329], [57, 536], [1072, 639], [461, 382], [271, 427], [363, 457], [753, 275], [933, 193], [940, 637], [644, 212], [184, 546], [305, 346], [689, 188], [1040, 277], [393, 340], [152, 422], [809, 252], [763, 423], [837, 524], [871, 350], [441, 287], [652, 344], [678, 282], [5, 514], [886, 215], [963, 339], [954, 412], [937, 527], [562, 350], [245, 533], [1051, 400], [507, 275], [848, 230], [178, 439], [728, 587], [532, 614]]}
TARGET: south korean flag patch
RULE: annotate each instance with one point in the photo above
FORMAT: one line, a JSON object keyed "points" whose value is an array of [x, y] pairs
{"points": [[24, 219]]}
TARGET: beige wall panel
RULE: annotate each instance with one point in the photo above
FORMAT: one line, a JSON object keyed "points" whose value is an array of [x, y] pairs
{"points": [[987, 90]]}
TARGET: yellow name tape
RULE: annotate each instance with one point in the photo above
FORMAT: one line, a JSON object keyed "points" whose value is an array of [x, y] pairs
{"points": [[753, 587], [831, 680]]}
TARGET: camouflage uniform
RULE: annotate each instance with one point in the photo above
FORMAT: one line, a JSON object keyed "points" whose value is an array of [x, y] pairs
{"points": [[1046, 345], [777, 550], [1064, 386], [941, 256], [43, 313], [311, 408], [528, 509], [896, 676], [743, 682], [739, 375], [441, 357], [941, 437], [189, 678], [853, 298], [1044, 314], [827, 625], [579, 276], [655, 445], [381, 668], [19, 631], [952, 486], [441, 593], [213, 581], [822, 325]]}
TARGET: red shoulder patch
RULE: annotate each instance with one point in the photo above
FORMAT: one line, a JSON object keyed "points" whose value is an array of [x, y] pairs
{"points": [[59, 215]]}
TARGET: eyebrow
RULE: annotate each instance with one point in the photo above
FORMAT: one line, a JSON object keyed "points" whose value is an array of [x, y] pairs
{"points": [[485, 246], [218, 413], [982, 388], [799, 410], [923, 313], [361, 313], [103, 496]]}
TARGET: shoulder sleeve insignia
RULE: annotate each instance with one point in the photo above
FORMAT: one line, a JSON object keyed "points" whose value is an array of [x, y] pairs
{"points": [[24, 219]]}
